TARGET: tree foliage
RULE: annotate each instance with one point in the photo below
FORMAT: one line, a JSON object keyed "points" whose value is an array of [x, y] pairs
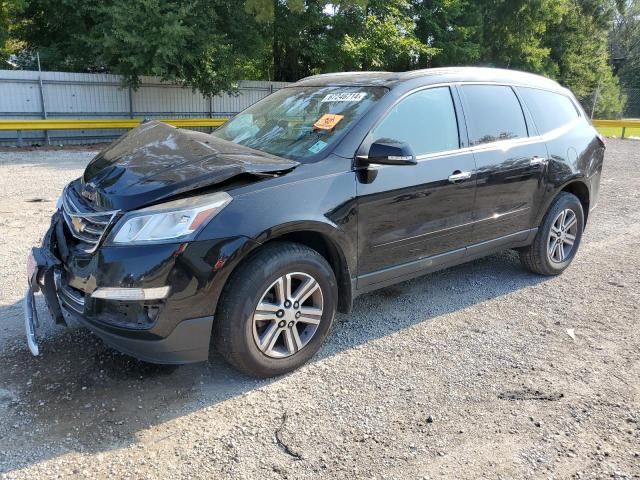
{"points": [[387, 39], [453, 27], [8, 43], [205, 43], [625, 41], [211, 43], [514, 33], [578, 48], [4, 30]]}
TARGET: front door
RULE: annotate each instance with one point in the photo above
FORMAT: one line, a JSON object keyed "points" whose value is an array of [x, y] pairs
{"points": [[409, 213]]}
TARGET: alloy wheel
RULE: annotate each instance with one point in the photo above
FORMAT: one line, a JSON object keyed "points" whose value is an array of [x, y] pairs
{"points": [[287, 315], [562, 236]]}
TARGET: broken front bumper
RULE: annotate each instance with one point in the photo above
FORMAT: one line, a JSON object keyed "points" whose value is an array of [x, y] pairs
{"points": [[175, 329], [188, 342], [41, 264]]}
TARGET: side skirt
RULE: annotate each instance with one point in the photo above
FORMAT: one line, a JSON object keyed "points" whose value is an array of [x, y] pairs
{"points": [[399, 273]]}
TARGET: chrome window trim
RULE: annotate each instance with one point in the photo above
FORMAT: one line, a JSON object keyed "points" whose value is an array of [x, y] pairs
{"points": [[560, 90], [496, 145], [556, 132], [522, 111], [565, 92], [444, 153], [411, 92]]}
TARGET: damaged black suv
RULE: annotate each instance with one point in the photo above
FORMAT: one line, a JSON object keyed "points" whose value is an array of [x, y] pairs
{"points": [[252, 237]]}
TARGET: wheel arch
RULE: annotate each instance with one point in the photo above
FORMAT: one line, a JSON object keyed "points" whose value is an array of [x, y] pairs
{"points": [[580, 190], [326, 239], [575, 186], [333, 254]]}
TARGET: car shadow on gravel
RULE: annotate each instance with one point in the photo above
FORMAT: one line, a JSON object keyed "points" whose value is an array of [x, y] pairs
{"points": [[80, 395]]}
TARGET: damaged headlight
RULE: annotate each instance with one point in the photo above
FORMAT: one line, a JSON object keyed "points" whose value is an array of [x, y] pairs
{"points": [[175, 220]]}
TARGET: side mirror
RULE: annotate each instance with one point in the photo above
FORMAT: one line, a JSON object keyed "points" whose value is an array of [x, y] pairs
{"points": [[390, 152]]}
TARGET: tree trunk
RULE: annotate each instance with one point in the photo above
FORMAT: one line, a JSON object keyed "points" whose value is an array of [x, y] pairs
{"points": [[277, 54]]}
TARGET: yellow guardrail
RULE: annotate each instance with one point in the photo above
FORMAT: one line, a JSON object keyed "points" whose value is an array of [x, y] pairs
{"points": [[606, 126], [62, 124]]}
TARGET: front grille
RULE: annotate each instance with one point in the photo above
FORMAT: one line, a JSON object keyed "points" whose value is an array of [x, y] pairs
{"points": [[69, 297], [84, 222]]}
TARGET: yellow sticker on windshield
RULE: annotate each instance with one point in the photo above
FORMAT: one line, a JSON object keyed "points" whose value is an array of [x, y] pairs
{"points": [[328, 121]]}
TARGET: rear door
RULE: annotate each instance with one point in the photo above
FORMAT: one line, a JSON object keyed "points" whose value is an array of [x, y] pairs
{"points": [[510, 157], [571, 142], [407, 213]]}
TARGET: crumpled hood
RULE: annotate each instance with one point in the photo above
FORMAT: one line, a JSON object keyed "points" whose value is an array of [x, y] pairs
{"points": [[155, 161]]}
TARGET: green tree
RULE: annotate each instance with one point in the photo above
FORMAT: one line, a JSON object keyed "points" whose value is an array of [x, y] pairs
{"points": [[304, 35], [562, 39], [578, 47], [4, 31], [178, 40], [452, 27], [56, 33], [386, 39], [624, 41], [297, 36], [265, 10], [8, 43], [513, 33]]}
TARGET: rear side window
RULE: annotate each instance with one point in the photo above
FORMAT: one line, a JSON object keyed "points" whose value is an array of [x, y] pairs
{"points": [[493, 114], [550, 110], [425, 120]]}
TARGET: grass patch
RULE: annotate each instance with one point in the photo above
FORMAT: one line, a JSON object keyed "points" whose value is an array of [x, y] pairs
{"points": [[616, 132]]}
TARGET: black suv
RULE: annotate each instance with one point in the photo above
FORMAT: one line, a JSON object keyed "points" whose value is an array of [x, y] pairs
{"points": [[253, 236]]}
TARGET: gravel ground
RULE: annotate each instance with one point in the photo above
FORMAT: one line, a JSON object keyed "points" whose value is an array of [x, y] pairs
{"points": [[479, 371]]}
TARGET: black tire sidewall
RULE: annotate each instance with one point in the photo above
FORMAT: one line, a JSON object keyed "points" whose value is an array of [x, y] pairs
{"points": [[250, 285]]}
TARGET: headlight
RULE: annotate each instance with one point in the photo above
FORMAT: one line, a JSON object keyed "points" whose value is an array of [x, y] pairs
{"points": [[176, 220]]}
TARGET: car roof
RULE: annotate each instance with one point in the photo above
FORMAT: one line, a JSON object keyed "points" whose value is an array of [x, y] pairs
{"points": [[431, 76]]}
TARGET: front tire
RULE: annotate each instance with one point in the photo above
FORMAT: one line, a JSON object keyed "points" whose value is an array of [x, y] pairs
{"points": [[276, 310], [558, 237]]}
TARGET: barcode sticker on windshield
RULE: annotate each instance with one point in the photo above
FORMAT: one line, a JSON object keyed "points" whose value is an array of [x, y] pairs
{"points": [[344, 97], [317, 147]]}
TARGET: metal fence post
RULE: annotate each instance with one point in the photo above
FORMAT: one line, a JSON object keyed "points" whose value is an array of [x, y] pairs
{"points": [[210, 111], [130, 102], [595, 100], [42, 102]]}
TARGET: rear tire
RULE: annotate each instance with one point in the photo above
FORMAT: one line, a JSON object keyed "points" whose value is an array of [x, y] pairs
{"points": [[276, 310], [558, 238]]}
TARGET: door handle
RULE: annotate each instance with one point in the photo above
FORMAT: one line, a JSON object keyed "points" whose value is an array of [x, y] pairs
{"points": [[458, 176], [538, 161]]}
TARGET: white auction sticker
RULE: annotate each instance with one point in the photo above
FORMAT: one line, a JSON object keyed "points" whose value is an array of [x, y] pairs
{"points": [[344, 97]]}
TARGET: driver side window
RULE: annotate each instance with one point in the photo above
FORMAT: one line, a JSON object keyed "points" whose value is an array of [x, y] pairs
{"points": [[425, 120]]}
